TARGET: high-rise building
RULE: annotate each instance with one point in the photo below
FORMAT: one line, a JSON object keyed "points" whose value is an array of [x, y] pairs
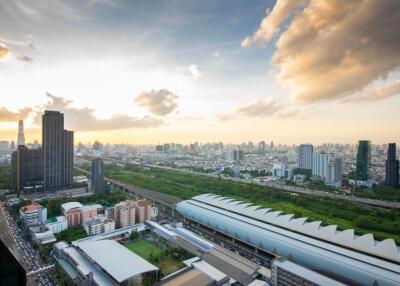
{"points": [[305, 153], [98, 185], [392, 167], [21, 135], [26, 167], [262, 147], [363, 163], [12, 145], [320, 165], [57, 148], [335, 173]]}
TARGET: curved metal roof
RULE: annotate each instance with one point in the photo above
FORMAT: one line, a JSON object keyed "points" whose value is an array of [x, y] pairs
{"points": [[386, 248]]}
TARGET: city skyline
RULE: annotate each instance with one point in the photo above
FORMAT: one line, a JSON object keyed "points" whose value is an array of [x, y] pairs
{"points": [[205, 72]]}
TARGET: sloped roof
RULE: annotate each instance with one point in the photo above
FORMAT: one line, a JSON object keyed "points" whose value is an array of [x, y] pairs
{"points": [[121, 265], [385, 248], [70, 205]]}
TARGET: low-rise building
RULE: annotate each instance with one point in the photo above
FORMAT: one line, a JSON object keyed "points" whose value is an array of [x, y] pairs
{"points": [[88, 212], [33, 214], [57, 224], [72, 212], [98, 224]]}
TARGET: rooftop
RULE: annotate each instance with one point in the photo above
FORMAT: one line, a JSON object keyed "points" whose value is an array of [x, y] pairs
{"points": [[70, 205], [132, 264], [30, 208]]}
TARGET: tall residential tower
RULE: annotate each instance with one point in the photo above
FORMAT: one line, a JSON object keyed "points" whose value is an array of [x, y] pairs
{"points": [[21, 135], [57, 148]]}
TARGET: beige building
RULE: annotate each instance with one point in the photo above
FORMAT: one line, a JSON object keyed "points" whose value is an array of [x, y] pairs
{"points": [[124, 214], [143, 211]]}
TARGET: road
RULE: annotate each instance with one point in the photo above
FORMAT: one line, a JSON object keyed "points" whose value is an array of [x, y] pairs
{"points": [[37, 271]]}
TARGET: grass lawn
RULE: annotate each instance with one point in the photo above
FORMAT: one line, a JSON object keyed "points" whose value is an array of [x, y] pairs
{"points": [[144, 249], [169, 265]]}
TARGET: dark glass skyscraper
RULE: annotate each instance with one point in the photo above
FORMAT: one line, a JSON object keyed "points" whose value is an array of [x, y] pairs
{"points": [[57, 148], [98, 185], [392, 167], [363, 163]]}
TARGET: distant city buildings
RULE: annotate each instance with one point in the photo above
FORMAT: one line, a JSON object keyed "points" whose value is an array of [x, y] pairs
{"points": [[392, 167], [57, 148], [363, 163], [305, 152]]}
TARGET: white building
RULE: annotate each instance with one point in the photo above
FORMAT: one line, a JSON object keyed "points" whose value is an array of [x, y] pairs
{"points": [[99, 224], [33, 214], [57, 224], [154, 212], [280, 170], [335, 173], [305, 159], [320, 165]]}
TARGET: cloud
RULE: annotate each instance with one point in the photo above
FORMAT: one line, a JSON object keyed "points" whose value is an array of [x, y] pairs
{"points": [[270, 24], [84, 119], [4, 50], [331, 50], [375, 94], [158, 102], [194, 72], [9, 116], [261, 108]]}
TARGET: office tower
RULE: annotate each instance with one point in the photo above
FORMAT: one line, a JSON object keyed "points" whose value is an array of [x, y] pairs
{"points": [[98, 185], [57, 148], [320, 165], [26, 167], [363, 160], [305, 153], [271, 145], [21, 136], [392, 167], [124, 214]]}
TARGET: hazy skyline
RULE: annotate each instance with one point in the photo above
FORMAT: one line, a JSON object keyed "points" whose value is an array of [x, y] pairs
{"points": [[183, 71]]}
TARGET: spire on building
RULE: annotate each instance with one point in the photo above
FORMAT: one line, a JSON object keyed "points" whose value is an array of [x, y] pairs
{"points": [[21, 136]]}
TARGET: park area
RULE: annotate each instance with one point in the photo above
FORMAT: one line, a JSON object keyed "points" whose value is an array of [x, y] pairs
{"points": [[168, 260]]}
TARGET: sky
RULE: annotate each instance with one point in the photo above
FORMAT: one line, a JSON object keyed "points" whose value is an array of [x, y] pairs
{"points": [[153, 71]]}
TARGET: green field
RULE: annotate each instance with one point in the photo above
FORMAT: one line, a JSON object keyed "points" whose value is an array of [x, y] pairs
{"points": [[144, 249], [382, 223], [161, 258]]}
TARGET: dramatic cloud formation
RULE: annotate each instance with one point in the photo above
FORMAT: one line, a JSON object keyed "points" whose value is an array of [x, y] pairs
{"points": [[9, 116], [3, 51], [270, 24], [84, 119], [194, 72], [267, 108], [159, 102], [332, 49], [375, 94]]}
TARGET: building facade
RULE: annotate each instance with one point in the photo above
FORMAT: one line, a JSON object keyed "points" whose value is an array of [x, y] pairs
{"points": [[33, 214], [57, 224], [98, 185], [363, 163], [57, 148], [142, 211], [392, 167], [305, 152], [124, 214], [320, 165]]}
